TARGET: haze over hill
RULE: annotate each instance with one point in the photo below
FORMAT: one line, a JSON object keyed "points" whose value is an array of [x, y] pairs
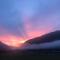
{"points": [[50, 40]]}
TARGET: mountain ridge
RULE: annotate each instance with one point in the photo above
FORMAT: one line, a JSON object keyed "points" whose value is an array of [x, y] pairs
{"points": [[49, 37]]}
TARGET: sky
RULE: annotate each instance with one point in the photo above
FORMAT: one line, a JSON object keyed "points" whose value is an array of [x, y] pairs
{"points": [[21, 20]]}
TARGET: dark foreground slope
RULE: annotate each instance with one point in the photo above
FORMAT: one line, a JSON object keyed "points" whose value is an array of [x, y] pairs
{"points": [[3, 46], [32, 54]]}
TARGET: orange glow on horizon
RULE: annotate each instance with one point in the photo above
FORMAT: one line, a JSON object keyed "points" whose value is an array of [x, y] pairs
{"points": [[16, 42], [12, 41]]}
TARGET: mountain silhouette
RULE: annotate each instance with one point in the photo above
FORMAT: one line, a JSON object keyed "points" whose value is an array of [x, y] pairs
{"points": [[50, 37], [4, 46]]}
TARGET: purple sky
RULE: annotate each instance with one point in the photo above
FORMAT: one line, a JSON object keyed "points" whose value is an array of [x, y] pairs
{"points": [[29, 18]]}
